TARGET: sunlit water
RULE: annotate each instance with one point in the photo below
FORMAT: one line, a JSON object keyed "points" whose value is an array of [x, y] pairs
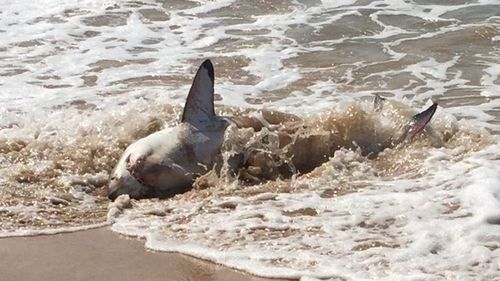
{"points": [[80, 80]]}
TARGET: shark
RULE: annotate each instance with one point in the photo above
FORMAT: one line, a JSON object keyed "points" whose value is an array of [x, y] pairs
{"points": [[169, 161]]}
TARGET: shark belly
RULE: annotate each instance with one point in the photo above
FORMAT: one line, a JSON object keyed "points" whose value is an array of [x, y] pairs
{"points": [[170, 160]]}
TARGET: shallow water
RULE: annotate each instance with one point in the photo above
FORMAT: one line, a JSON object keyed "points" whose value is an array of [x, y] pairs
{"points": [[80, 80]]}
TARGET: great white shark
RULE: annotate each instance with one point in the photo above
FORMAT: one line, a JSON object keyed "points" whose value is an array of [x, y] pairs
{"points": [[168, 161]]}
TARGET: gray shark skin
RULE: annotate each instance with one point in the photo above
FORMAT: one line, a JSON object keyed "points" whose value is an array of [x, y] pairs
{"points": [[168, 161]]}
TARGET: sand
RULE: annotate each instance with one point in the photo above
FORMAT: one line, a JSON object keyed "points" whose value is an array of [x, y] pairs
{"points": [[100, 254]]}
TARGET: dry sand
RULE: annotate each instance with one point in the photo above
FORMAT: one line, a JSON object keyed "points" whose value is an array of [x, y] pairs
{"points": [[100, 254]]}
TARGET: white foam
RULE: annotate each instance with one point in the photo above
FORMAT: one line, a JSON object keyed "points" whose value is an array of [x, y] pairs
{"points": [[405, 225], [49, 231], [445, 221]]}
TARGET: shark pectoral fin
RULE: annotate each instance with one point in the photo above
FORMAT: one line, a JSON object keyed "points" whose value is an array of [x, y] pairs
{"points": [[378, 103], [420, 120], [159, 175], [199, 105]]}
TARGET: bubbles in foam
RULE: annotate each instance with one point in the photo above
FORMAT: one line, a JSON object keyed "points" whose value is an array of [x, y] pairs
{"points": [[367, 217], [82, 79]]}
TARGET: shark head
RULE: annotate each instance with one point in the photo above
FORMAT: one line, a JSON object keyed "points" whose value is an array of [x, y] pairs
{"points": [[151, 164]]}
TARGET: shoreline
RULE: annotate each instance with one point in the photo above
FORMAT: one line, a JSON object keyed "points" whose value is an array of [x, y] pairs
{"points": [[100, 254]]}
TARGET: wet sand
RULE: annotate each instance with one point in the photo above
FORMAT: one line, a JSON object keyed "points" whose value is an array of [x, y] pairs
{"points": [[100, 254]]}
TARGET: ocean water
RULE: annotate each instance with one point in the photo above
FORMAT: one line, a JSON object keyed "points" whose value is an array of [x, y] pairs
{"points": [[80, 80]]}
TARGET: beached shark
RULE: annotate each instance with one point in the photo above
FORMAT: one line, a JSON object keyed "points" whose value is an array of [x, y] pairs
{"points": [[168, 162]]}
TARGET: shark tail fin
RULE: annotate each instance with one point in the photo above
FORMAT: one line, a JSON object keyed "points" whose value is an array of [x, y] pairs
{"points": [[199, 106], [378, 103], [420, 120]]}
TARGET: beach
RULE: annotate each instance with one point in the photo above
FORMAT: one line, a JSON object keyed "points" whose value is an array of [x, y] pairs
{"points": [[81, 80], [100, 254]]}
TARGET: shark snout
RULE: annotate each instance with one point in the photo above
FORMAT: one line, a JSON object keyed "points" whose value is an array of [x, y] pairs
{"points": [[114, 188], [126, 184], [113, 195]]}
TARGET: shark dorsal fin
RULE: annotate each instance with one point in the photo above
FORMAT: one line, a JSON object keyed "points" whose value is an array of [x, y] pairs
{"points": [[199, 106]]}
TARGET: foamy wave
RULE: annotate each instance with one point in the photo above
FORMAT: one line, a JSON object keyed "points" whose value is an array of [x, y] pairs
{"points": [[363, 228], [49, 231], [79, 80]]}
